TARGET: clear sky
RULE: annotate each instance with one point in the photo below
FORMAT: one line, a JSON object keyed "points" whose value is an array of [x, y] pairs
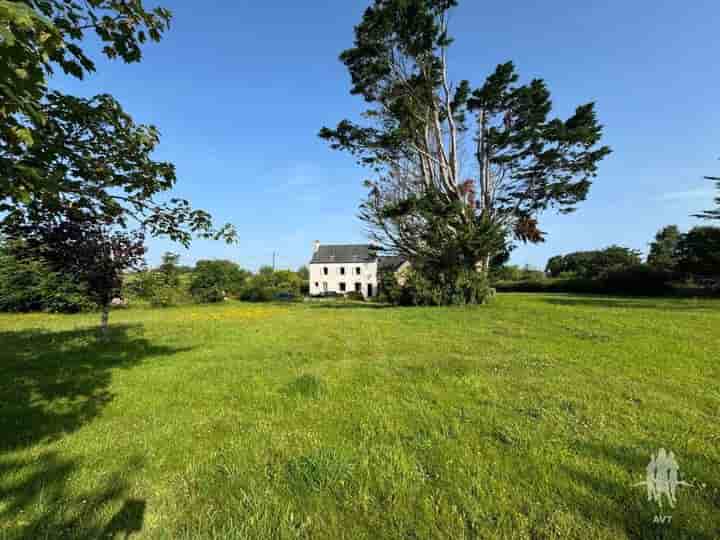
{"points": [[239, 91]]}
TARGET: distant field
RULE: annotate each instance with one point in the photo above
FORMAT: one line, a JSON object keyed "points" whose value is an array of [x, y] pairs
{"points": [[532, 417]]}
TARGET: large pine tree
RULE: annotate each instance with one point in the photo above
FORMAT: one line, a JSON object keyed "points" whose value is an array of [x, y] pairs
{"points": [[423, 136]]}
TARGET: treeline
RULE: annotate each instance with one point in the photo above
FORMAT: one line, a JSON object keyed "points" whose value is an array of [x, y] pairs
{"points": [[677, 262], [213, 281], [28, 283]]}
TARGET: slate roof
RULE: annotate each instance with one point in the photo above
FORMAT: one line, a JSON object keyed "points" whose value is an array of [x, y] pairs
{"points": [[391, 263], [355, 253], [349, 253]]}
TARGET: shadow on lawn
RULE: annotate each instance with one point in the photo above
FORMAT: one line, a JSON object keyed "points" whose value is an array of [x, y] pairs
{"points": [[635, 303], [54, 382], [622, 503], [42, 504]]}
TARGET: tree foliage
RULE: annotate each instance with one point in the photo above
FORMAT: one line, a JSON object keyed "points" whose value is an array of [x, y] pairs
{"points": [[39, 36], [77, 177], [415, 288], [663, 250], [169, 269], [62, 155], [698, 252], [268, 284], [27, 283], [90, 155], [81, 244], [593, 264], [419, 127], [212, 281]]}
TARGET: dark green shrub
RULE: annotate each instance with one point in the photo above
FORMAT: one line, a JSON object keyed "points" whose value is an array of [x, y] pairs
{"points": [[593, 264], [64, 295], [415, 289], [532, 275], [638, 280], [268, 285], [212, 281], [209, 295], [698, 252], [355, 296], [506, 273], [288, 281], [259, 288], [21, 284], [154, 287], [641, 280], [575, 285], [28, 285], [257, 293]]}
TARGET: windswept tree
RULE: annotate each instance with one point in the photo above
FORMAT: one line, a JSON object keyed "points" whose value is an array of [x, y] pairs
{"points": [[712, 214], [459, 172]]}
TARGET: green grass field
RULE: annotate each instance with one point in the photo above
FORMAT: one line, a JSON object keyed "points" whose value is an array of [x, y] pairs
{"points": [[532, 417]]}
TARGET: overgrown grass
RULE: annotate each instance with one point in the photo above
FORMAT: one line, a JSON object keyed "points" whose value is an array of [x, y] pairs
{"points": [[532, 417]]}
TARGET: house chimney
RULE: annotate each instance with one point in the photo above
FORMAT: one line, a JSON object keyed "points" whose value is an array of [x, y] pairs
{"points": [[316, 246]]}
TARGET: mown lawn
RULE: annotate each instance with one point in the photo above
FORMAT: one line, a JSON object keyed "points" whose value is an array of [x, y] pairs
{"points": [[529, 418]]}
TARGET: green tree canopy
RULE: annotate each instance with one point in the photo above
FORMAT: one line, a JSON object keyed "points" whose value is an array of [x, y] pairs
{"points": [[304, 272], [663, 249], [37, 37], [593, 264], [84, 245], [698, 252], [59, 152], [212, 280]]}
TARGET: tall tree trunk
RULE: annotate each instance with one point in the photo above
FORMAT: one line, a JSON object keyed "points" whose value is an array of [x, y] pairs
{"points": [[486, 264], [104, 320]]}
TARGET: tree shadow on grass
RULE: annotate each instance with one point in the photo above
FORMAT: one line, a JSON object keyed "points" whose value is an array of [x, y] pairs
{"points": [[620, 500], [632, 303], [40, 502], [55, 382]]}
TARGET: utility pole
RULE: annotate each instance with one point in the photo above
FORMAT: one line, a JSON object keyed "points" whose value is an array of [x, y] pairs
{"points": [[274, 253]]}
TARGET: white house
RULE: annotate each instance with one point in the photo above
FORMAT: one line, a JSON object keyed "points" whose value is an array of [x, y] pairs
{"points": [[346, 268]]}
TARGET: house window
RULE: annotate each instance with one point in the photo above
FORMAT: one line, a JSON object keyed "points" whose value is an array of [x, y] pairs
{"points": [[370, 290], [357, 270], [317, 284], [325, 270], [342, 270], [342, 286], [358, 287], [325, 287]]}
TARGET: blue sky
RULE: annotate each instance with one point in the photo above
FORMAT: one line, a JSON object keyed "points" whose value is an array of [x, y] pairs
{"points": [[239, 91]]}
